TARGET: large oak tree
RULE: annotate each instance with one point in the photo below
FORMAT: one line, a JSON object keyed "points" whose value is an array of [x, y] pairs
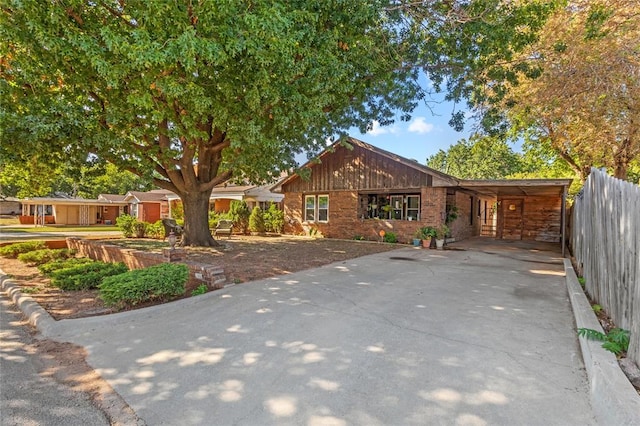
{"points": [[196, 91]]}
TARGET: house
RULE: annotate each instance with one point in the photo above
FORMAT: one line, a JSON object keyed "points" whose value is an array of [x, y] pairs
{"points": [[149, 206], [10, 206], [223, 194], [67, 211], [361, 190]]}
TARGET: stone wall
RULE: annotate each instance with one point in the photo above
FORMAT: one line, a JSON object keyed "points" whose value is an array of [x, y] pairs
{"points": [[199, 273]]}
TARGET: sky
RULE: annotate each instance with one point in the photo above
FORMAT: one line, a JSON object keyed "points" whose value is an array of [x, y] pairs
{"points": [[427, 132]]}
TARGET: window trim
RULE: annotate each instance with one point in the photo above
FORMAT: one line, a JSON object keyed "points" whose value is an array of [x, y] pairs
{"points": [[318, 208], [306, 209]]}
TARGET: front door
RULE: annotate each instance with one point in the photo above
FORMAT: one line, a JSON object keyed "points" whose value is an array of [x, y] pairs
{"points": [[512, 219]]}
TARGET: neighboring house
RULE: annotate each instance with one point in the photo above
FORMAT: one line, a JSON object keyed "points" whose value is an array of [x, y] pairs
{"points": [[10, 206], [254, 195], [67, 211], [149, 206], [364, 190]]}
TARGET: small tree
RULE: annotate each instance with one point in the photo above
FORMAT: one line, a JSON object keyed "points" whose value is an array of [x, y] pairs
{"points": [[256, 221], [274, 219], [239, 214]]}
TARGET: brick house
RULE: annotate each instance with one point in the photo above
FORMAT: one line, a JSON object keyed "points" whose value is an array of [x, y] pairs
{"points": [[149, 206], [361, 190]]}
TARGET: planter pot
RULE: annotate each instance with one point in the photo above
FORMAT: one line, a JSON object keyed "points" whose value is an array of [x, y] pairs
{"points": [[426, 243], [416, 242], [439, 244]]}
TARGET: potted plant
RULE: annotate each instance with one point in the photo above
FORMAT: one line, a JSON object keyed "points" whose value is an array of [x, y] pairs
{"points": [[441, 233], [417, 239], [426, 234]]}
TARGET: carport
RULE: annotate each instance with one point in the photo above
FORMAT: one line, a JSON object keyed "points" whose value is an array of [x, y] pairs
{"points": [[526, 209]]}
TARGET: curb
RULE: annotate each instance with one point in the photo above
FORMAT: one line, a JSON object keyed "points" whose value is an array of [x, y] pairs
{"points": [[36, 315], [613, 399]]}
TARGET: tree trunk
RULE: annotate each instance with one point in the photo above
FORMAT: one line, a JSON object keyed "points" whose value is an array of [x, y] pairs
{"points": [[196, 220]]}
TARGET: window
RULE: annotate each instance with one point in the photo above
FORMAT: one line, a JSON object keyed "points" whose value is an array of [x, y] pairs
{"points": [[323, 208], [479, 208], [413, 207], [485, 212], [316, 208], [310, 208], [386, 206], [470, 210]]}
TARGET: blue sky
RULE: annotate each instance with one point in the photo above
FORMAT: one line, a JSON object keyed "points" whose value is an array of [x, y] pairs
{"points": [[427, 132]]}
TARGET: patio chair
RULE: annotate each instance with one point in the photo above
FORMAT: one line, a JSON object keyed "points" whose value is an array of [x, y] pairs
{"points": [[171, 225], [224, 227]]}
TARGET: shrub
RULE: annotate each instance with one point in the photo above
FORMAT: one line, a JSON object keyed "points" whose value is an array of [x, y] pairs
{"points": [[141, 285], [13, 250], [390, 237], [616, 341], [155, 230], [239, 214], [201, 289], [38, 257], [274, 219], [140, 229], [48, 268], [256, 221], [85, 276], [126, 223]]}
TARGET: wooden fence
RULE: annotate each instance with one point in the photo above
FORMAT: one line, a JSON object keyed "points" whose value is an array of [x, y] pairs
{"points": [[605, 239]]}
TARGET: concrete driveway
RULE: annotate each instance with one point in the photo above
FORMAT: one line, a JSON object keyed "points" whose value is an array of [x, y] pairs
{"points": [[404, 337]]}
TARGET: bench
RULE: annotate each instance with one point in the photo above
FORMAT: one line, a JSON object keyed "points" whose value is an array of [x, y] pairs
{"points": [[171, 225], [224, 227]]}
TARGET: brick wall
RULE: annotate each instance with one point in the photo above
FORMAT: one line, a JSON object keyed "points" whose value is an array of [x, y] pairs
{"points": [[199, 273], [344, 221]]}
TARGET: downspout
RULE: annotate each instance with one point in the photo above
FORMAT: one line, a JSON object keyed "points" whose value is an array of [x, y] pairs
{"points": [[564, 218]]}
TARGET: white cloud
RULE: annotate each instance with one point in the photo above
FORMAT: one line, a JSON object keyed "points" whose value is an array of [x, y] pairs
{"points": [[376, 129], [419, 125]]}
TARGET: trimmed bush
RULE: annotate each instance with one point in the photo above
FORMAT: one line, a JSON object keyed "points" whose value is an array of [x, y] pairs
{"points": [[140, 229], [86, 276], [48, 268], [274, 219], [390, 237], [256, 221], [38, 257], [13, 250], [155, 230], [239, 213], [126, 223], [162, 281]]}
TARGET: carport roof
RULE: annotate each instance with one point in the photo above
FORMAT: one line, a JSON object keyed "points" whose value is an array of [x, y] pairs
{"points": [[517, 187]]}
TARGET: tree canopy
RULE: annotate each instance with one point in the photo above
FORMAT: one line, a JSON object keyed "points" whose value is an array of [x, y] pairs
{"points": [[196, 92], [481, 157], [582, 97]]}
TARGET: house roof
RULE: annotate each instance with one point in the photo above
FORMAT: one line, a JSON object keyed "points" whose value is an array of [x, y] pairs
{"points": [[157, 195], [111, 197], [71, 201], [390, 155], [517, 187]]}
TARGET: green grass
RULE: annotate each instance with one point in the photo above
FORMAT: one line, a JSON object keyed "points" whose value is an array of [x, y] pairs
{"points": [[9, 221], [62, 228]]}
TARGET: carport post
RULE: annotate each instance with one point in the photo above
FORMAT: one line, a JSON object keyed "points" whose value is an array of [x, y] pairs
{"points": [[564, 217]]}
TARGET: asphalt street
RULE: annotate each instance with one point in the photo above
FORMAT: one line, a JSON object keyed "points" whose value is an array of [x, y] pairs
{"points": [[26, 396]]}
